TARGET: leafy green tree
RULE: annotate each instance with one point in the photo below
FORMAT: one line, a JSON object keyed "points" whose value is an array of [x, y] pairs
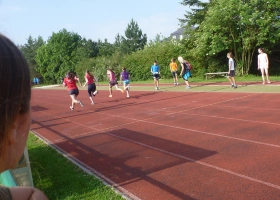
{"points": [[134, 38], [58, 55], [29, 51], [105, 48], [236, 26]]}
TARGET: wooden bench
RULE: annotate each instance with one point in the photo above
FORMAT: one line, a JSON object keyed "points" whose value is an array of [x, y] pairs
{"points": [[211, 75]]}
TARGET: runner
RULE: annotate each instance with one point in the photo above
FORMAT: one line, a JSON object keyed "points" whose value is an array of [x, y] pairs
{"points": [[125, 78], [90, 81], [70, 83], [112, 82]]}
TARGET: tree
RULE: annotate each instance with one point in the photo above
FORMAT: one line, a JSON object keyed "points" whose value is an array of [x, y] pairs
{"points": [[134, 39], [236, 26], [29, 51], [105, 48], [58, 55]]}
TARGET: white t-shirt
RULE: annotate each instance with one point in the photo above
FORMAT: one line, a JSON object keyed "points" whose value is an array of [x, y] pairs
{"points": [[263, 62], [231, 63]]}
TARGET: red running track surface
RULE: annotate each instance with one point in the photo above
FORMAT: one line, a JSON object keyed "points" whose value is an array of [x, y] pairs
{"points": [[168, 145]]}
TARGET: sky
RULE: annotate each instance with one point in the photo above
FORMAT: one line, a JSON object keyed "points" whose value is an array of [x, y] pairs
{"points": [[91, 19]]}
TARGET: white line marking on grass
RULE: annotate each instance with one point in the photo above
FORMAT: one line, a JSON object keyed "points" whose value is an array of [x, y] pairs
{"points": [[46, 86]]}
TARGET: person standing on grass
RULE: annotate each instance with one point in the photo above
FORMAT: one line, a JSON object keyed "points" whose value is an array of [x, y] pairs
{"points": [[155, 69], [70, 83], [173, 68], [112, 82], [185, 71], [15, 115], [231, 73], [125, 78], [263, 64], [90, 81]]}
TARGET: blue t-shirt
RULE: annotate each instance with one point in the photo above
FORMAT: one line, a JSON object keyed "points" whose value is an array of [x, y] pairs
{"points": [[155, 69]]}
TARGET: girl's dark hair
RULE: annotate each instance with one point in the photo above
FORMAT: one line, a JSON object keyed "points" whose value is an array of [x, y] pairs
{"points": [[88, 72], [71, 75], [15, 89], [262, 49]]}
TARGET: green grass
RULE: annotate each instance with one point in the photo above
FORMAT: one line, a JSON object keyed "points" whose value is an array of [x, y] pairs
{"points": [[60, 179]]}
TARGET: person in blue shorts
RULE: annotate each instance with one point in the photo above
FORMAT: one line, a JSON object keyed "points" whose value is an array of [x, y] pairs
{"points": [[185, 72], [155, 69], [125, 78]]}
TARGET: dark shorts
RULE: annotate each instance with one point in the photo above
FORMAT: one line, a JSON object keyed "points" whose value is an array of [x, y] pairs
{"points": [[74, 91], [231, 73], [91, 89], [113, 83], [174, 73], [156, 76]]}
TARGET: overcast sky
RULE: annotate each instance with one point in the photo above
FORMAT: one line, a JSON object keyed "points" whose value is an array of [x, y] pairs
{"points": [[92, 19]]}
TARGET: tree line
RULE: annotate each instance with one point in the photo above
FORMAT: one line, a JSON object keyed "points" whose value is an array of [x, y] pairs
{"points": [[211, 30]]}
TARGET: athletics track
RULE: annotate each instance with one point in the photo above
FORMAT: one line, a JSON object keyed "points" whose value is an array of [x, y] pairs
{"points": [[169, 145]]}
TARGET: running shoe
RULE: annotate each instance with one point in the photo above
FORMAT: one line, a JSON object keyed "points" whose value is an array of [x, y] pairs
{"points": [[92, 103], [71, 108], [95, 93], [81, 104], [188, 87], [110, 95], [158, 88]]}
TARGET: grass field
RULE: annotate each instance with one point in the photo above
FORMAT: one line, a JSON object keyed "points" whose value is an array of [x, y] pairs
{"points": [[62, 180]]}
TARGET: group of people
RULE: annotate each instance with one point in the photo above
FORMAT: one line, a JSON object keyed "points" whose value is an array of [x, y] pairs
{"points": [[263, 65], [185, 72], [71, 79]]}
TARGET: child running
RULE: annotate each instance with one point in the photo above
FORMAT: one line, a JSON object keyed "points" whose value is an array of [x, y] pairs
{"points": [[70, 83], [125, 78], [173, 68], [112, 81], [90, 81]]}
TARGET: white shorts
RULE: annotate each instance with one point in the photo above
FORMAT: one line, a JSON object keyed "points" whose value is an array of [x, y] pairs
{"points": [[263, 65]]}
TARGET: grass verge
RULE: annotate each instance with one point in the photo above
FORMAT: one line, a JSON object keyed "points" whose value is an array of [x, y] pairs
{"points": [[60, 179]]}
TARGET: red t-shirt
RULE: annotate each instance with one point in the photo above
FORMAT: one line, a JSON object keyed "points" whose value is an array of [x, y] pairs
{"points": [[89, 79], [70, 83]]}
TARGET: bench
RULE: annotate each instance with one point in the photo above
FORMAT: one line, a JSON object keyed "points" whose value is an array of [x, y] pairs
{"points": [[211, 75]]}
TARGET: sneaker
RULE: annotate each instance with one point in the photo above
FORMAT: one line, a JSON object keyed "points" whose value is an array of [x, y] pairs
{"points": [[158, 88], [263, 83], [110, 95], [232, 86], [177, 83], [95, 92], [188, 87], [92, 103], [81, 104], [268, 82], [235, 86], [71, 108], [127, 96]]}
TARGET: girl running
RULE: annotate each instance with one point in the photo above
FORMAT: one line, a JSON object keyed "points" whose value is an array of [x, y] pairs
{"points": [[70, 83], [90, 81], [112, 81], [125, 78]]}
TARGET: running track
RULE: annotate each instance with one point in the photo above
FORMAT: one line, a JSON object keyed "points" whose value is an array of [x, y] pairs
{"points": [[169, 145]]}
